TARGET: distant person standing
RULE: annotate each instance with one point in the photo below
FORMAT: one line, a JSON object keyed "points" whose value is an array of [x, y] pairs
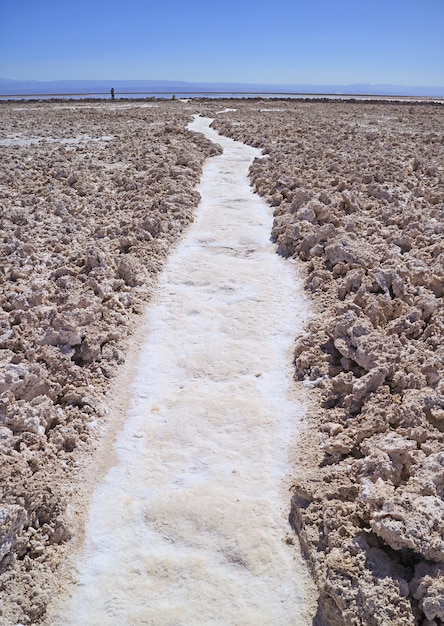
{"points": [[112, 93]]}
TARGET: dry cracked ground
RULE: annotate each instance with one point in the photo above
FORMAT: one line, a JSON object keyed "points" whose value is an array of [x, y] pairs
{"points": [[92, 197]]}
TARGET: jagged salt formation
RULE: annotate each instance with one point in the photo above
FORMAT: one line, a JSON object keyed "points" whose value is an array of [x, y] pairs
{"points": [[358, 191], [92, 196]]}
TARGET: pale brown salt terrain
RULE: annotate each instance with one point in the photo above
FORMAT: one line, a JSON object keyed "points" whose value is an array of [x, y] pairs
{"points": [[88, 217], [358, 196], [92, 197], [189, 525]]}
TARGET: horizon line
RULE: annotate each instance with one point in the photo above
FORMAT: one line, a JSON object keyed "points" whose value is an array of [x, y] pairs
{"points": [[302, 95], [218, 82]]}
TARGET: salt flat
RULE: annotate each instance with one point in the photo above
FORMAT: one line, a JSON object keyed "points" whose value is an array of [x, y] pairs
{"points": [[190, 525]]}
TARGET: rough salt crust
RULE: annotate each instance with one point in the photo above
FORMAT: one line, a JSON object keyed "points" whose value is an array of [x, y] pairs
{"points": [[358, 191], [190, 524], [358, 195], [87, 219]]}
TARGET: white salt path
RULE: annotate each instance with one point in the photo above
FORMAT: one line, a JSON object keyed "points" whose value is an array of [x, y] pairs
{"points": [[189, 526]]}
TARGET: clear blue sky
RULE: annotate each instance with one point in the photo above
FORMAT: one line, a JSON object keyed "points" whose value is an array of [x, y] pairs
{"points": [[268, 41]]}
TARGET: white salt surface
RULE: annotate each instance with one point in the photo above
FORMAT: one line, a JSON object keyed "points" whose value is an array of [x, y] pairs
{"points": [[225, 111], [189, 526], [19, 140]]}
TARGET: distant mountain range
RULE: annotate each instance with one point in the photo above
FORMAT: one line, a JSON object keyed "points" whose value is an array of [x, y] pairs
{"points": [[83, 87]]}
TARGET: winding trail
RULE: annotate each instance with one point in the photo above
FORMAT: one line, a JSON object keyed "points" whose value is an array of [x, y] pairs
{"points": [[189, 526]]}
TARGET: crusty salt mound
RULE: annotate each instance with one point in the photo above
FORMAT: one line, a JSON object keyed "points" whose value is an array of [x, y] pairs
{"points": [[358, 191], [92, 197]]}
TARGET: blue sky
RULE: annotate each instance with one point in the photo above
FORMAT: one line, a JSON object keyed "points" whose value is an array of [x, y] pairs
{"points": [[268, 41]]}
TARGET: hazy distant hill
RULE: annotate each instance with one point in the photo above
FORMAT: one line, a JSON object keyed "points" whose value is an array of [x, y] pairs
{"points": [[18, 87]]}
